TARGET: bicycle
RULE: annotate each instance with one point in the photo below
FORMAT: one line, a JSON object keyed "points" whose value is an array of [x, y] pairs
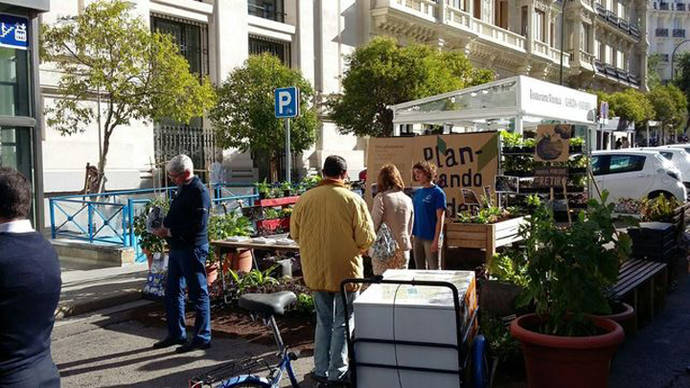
{"points": [[241, 373]]}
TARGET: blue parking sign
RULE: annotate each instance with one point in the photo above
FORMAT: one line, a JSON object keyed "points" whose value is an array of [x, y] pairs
{"points": [[14, 32], [287, 102]]}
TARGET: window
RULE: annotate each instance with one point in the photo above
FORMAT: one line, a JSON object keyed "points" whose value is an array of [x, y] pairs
{"points": [[14, 82], [15, 149], [597, 163], [667, 155], [621, 10], [267, 9], [501, 11], [539, 25], [625, 163], [192, 39], [260, 45], [477, 9], [608, 50], [585, 35], [620, 59], [597, 49], [523, 21]]}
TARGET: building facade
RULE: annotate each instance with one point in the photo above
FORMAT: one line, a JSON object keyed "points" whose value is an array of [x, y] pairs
{"points": [[669, 30], [603, 41], [20, 112]]}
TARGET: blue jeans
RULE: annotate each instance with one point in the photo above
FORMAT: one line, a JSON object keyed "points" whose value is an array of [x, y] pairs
{"points": [[330, 345], [41, 373], [188, 265]]}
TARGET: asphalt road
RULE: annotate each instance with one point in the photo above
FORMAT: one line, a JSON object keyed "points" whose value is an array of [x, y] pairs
{"points": [[109, 349]]}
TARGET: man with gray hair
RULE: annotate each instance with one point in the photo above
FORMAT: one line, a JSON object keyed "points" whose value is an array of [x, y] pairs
{"points": [[185, 229]]}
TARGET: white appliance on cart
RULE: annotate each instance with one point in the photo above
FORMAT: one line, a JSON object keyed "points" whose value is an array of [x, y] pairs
{"points": [[413, 329]]}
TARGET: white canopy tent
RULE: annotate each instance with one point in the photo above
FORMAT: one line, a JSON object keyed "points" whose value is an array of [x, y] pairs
{"points": [[515, 103]]}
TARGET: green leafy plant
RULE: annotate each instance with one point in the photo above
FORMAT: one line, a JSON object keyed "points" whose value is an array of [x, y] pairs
{"points": [[148, 241], [509, 267], [308, 182], [503, 346], [221, 227], [252, 281], [659, 209], [485, 215], [264, 189], [286, 186], [577, 141], [511, 139], [305, 304], [271, 213], [569, 269]]}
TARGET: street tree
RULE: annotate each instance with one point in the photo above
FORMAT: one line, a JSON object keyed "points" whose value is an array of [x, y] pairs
{"points": [[244, 117], [670, 106], [630, 105], [105, 53], [653, 76], [383, 73], [682, 80]]}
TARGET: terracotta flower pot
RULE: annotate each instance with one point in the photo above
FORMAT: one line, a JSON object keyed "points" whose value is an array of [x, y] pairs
{"points": [[567, 362], [625, 318], [211, 273], [240, 261]]}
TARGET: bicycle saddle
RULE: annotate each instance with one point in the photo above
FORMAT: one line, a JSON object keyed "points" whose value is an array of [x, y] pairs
{"points": [[270, 304]]}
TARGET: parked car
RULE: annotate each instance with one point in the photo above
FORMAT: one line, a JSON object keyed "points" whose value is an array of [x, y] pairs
{"points": [[631, 173], [679, 158]]}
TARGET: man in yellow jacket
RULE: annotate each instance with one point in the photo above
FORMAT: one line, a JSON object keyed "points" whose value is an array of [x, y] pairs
{"points": [[333, 227]]}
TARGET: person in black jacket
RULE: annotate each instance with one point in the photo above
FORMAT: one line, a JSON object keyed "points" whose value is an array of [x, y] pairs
{"points": [[185, 229], [29, 290]]}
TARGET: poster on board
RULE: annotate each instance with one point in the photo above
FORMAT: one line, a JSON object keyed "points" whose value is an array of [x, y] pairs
{"points": [[463, 160], [553, 142]]}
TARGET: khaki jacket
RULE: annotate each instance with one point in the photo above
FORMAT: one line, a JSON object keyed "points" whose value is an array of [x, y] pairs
{"points": [[332, 226]]}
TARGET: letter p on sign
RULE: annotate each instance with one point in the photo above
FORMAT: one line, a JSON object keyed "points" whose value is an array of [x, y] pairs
{"points": [[287, 102]]}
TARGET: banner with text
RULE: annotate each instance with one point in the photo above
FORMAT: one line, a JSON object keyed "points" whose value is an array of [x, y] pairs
{"points": [[464, 160]]}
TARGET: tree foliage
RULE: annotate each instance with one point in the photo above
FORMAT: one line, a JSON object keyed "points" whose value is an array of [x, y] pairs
{"points": [[630, 104], [244, 117], [670, 105], [653, 76], [382, 73], [140, 74], [682, 79]]}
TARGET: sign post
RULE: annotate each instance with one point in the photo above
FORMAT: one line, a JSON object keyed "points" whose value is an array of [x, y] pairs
{"points": [[287, 106]]}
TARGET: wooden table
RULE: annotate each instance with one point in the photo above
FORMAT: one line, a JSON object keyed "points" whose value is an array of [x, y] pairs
{"points": [[225, 246]]}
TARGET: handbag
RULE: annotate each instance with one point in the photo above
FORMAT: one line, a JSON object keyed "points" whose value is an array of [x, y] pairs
{"points": [[384, 246]]}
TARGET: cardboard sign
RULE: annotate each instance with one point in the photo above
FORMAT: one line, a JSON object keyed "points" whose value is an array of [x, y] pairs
{"points": [[463, 160], [547, 177], [553, 142]]}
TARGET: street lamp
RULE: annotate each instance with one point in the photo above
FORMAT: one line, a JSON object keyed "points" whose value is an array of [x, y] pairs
{"points": [[673, 54]]}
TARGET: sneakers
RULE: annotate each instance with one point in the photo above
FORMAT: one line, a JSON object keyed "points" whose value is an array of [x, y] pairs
{"points": [[169, 342], [189, 346]]}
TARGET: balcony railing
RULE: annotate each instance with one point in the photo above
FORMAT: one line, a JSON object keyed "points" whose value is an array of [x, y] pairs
{"points": [[599, 67], [663, 6], [621, 75], [425, 7], [266, 12], [601, 10], [661, 32], [458, 18], [634, 30], [680, 6], [492, 32], [586, 57], [679, 33]]}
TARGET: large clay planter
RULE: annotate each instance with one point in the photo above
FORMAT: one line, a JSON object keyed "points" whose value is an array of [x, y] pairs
{"points": [[625, 318], [567, 362], [241, 260]]}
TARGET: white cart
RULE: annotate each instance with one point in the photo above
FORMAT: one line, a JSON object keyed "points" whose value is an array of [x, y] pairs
{"points": [[413, 329]]}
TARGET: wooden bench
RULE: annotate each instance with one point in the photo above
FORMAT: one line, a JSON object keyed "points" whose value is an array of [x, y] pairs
{"points": [[642, 284]]}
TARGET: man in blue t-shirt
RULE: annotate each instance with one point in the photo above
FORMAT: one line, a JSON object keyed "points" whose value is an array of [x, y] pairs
{"points": [[29, 290], [429, 211]]}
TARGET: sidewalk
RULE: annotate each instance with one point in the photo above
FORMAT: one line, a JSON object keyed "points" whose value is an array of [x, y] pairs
{"points": [[658, 355], [85, 288]]}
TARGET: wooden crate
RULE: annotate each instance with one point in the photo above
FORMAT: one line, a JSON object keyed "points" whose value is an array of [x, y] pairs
{"points": [[483, 236]]}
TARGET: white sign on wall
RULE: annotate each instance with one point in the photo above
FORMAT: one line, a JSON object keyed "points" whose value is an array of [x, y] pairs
{"points": [[544, 99]]}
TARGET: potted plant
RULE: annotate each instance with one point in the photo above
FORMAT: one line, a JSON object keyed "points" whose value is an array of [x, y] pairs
{"points": [[150, 243], [576, 144], [221, 227], [286, 187], [264, 189], [568, 271]]}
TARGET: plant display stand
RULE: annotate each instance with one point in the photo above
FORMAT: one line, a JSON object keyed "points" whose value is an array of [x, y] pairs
{"points": [[273, 225], [483, 236]]}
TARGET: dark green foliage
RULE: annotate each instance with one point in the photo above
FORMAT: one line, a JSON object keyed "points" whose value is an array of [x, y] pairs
{"points": [[148, 241]]}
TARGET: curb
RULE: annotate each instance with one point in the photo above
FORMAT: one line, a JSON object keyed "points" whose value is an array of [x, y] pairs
{"points": [[69, 310]]}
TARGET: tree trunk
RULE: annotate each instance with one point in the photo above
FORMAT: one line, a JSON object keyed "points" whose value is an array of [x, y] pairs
{"points": [[103, 159], [273, 168]]}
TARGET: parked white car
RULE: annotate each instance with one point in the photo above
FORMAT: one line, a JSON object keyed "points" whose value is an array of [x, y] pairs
{"points": [[631, 173], [679, 158]]}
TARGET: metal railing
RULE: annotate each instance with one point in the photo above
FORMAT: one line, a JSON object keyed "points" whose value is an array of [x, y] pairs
{"points": [[661, 32], [679, 33], [108, 218]]}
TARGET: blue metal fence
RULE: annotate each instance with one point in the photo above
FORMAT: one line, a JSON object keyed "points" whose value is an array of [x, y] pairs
{"points": [[108, 218]]}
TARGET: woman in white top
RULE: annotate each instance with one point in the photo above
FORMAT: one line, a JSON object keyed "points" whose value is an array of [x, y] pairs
{"points": [[394, 208]]}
